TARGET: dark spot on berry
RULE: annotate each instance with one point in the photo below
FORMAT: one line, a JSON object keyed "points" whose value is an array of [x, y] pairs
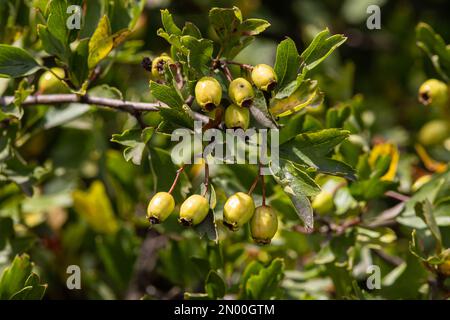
{"points": [[247, 103], [210, 106], [146, 63], [185, 222], [154, 220], [425, 98], [231, 226], [272, 86]]}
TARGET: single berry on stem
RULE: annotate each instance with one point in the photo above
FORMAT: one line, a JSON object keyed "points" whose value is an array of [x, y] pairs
{"points": [[241, 92], [434, 93], [264, 77], [160, 207], [193, 210], [264, 224], [208, 93], [237, 117], [238, 210], [158, 65]]}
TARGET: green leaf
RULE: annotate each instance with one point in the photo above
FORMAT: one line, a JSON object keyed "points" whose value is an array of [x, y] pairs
{"points": [[307, 94], [298, 185], [311, 149], [424, 210], [15, 109], [135, 141], [14, 277], [78, 63], [167, 95], [321, 47], [287, 62], [215, 285], [168, 23], [260, 112], [116, 253], [192, 30], [264, 285], [200, 53], [234, 34], [50, 43], [57, 19], [32, 289], [225, 21], [253, 27], [436, 49], [16, 62]]}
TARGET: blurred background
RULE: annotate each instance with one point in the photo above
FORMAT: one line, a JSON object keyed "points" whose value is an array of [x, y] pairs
{"points": [[91, 209]]}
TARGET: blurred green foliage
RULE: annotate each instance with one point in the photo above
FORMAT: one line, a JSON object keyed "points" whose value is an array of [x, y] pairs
{"points": [[75, 181]]}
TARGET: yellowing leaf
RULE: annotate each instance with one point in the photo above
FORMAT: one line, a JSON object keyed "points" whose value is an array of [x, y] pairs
{"points": [[430, 163], [95, 207], [385, 149], [307, 94], [100, 43]]}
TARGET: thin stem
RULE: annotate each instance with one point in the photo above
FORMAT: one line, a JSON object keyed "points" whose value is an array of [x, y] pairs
{"points": [[263, 187], [175, 181], [255, 182], [206, 178], [226, 71], [242, 65], [397, 196]]}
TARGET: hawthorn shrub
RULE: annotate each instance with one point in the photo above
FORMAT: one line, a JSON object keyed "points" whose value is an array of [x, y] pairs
{"points": [[87, 176]]}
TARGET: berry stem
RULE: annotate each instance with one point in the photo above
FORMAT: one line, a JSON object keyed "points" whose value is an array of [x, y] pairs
{"points": [[242, 65], [255, 182], [206, 178], [179, 171], [263, 187], [226, 71]]}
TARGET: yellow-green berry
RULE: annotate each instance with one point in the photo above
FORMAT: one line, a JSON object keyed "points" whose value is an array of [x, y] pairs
{"points": [[160, 207], [241, 92], [434, 93], [264, 77], [238, 210], [237, 117], [194, 210], [208, 93], [264, 224]]}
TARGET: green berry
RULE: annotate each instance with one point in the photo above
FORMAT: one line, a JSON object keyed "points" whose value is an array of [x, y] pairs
{"points": [[159, 63], [264, 224], [208, 93], [323, 203], [434, 132], [241, 92], [194, 210], [238, 210], [237, 117], [160, 207], [49, 83], [264, 77], [434, 93]]}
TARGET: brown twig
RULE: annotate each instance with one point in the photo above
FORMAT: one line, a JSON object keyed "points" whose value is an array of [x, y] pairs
{"points": [[123, 105]]}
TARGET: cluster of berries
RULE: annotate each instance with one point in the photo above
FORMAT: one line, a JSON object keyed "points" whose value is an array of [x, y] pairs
{"points": [[238, 210], [208, 91], [240, 207]]}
